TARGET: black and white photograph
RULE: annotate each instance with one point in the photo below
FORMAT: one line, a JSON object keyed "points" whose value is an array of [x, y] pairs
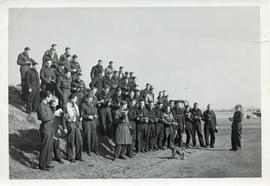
{"points": [[135, 92]]}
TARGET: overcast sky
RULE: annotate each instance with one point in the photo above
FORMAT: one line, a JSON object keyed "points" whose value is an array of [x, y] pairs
{"points": [[207, 55]]}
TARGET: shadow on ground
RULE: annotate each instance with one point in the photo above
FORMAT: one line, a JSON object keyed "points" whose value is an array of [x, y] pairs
{"points": [[22, 143]]}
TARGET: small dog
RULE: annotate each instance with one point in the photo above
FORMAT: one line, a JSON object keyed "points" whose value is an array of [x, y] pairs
{"points": [[180, 152]]}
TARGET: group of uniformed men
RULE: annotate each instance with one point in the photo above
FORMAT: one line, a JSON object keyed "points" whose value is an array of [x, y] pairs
{"points": [[84, 114]]}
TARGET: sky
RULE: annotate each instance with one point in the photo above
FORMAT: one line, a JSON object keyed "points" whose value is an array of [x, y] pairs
{"points": [[209, 55]]}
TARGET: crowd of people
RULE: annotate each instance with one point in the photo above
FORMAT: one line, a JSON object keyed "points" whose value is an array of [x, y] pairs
{"points": [[132, 120]]}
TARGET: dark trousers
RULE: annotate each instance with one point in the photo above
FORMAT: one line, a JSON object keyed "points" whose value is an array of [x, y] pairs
{"points": [[46, 150], [178, 140], [74, 141], [33, 101], [159, 132], [169, 136], [141, 136], [197, 128], [106, 122], [189, 132], [209, 132], [56, 149], [151, 136], [130, 148], [236, 136], [120, 150], [90, 136], [24, 89]]}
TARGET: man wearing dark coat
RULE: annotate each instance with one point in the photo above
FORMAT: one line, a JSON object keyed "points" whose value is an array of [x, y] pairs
{"points": [[89, 115], [142, 126], [65, 55], [96, 70], [132, 115], [98, 83], [25, 62], [50, 55], [47, 77], [45, 114], [180, 119], [63, 86], [188, 125], [33, 87], [150, 141], [236, 128], [78, 87], [210, 123], [197, 127], [159, 131]]}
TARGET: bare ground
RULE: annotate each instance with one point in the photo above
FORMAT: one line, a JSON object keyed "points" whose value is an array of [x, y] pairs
{"points": [[201, 163]]}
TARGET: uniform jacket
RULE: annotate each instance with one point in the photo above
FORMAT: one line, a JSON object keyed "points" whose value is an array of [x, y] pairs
{"points": [[152, 115], [167, 119], [142, 115], [116, 101], [49, 55], [75, 66], [72, 112], [98, 83], [109, 69], [106, 98], [159, 114], [47, 75], [32, 79], [21, 60], [196, 113], [188, 116], [179, 116], [45, 113], [107, 82], [87, 110], [95, 71], [237, 119], [209, 118], [63, 83]]}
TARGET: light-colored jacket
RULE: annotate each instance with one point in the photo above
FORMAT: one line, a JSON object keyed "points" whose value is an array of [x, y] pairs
{"points": [[72, 112]]}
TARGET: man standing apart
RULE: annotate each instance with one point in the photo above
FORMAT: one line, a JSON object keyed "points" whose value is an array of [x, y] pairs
{"points": [[96, 70], [210, 123], [236, 128]]}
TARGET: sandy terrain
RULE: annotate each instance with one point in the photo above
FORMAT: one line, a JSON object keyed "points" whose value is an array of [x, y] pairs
{"points": [[219, 162]]}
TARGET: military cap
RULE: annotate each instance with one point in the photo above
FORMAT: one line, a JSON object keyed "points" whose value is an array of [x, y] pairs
{"points": [[26, 48], [115, 71], [53, 45], [110, 62], [163, 90], [121, 67], [74, 56], [67, 48], [126, 73], [147, 83], [131, 73], [151, 87], [134, 77]]}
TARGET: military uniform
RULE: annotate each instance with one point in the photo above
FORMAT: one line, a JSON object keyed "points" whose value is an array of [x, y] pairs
{"points": [[45, 114], [95, 71], [74, 137], [63, 86], [197, 127], [142, 126], [32, 82], [49, 55], [180, 119], [115, 105], [108, 70], [132, 115], [105, 114], [48, 79], [236, 130], [150, 142], [159, 132], [22, 60], [168, 119], [188, 126], [89, 126], [107, 82], [210, 122]]}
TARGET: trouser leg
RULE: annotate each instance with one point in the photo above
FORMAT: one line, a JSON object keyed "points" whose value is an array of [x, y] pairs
{"points": [[194, 129], [130, 147], [171, 136], [139, 138], [103, 127], [56, 149], [206, 135], [166, 137], [87, 136], [46, 150], [200, 135], [94, 138], [144, 136], [147, 140], [78, 143], [212, 136], [71, 141]]}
